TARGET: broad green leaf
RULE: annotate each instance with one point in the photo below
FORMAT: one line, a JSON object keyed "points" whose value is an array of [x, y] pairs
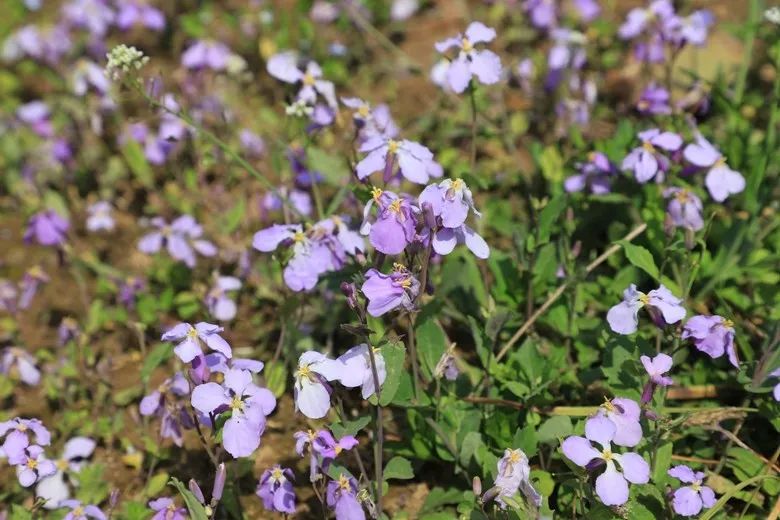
{"points": [[398, 468], [350, 427], [641, 258], [161, 353], [394, 355], [431, 344], [548, 216], [134, 155], [554, 428]]}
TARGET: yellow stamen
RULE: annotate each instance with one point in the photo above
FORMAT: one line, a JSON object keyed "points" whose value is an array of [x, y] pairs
{"points": [[399, 266], [236, 403], [363, 111], [305, 372], [395, 206], [682, 196], [32, 463], [276, 474], [308, 79], [606, 455], [392, 146], [78, 512], [376, 193], [406, 282], [344, 482], [645, 299], [298, 236], [592, 157], [457, 185], [515, 456], [62, 464], [466, 45], [648, 146], [728, 323], [696, 486], [192, 333]]}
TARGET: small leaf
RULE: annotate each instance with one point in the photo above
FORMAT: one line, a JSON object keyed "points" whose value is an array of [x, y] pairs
{"points": [[398, 468], [134, 155], [394, 355], [548, 216], [275, 377], [156, 357], [350, 427], [431, 344], [641, 258]]}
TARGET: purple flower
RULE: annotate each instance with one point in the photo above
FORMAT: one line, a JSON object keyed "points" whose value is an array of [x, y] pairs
{"points": [[94, 16], [713, 335], [689, 500], [89, 74], [19, 364], [342, 498], [776, 389], [415, 161], [663, 306], [100, 216], [276, 490], [181, 238], [542, 12], [190, 339], [36, 115], [514, 474], [691, 29], [206, 54], [47, 228], [219, 304], [312, 392], [372, 122], [165, 509], [358, 370], [642, 18], [81, 512], [386, 292], [684, 209], [483, 64], [624, 413], [252, 144], [302, 440], [31, 465], [654, 100], [284, 67], [646, 161], [54, 489], [568, 50], [8, 296], [721, 181], [300, 200], [133, 12], [248, 403], [612, 484], [587, 9], [395, 224], [17, 434], [447, 365], [594, 174], [403, 9], [165, 402], [328, 448], [450, 202], [657, 367], [31, 280], [128, 288]]}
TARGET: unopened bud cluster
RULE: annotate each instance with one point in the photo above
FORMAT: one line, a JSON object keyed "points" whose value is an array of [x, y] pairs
{"points": [[124, 59]]}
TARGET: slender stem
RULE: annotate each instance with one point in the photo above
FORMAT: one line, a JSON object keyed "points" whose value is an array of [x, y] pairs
{"points": [[380, 434], [473, 102], [560, 290], [410, 332]]}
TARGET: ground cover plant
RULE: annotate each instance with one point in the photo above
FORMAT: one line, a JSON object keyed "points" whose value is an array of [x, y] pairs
{"points": [[404, 259]]}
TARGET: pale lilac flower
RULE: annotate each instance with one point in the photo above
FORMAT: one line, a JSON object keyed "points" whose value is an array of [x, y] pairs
{"points": [[595, 174], [312, 392], [526, 72], [654, 100], [415, 162], [284, 67], [18, 364], [689, 500], [438, 74], [276, 490], [342, 499], [647, 161], [713, 335], [721, 181], [450, 202], [87, 74], [128, 289], [371, 121], [395, 224], [17, 434], [190, 339], [447, 365], [134, 12], [663, 306], [323, 11], [220, 305], [166, 402], [625, 413], [94, 16], [251, 143], [29, 285], [36, 114], [684, 208], [302, 440], [612, 484], [47, 228], [248, 403], [657, 367], [543, 13], [298, 199], [514, 473], [99, 216], [483, 64], [165, 509], [587, 9], [358, 370], [206, 54], [692, 29], [568, 50], [403, 9], [219, 363], [78, 511], [182, 239], [641, 19], [54, 489], [31, 465], [386, 292], [8, 296], [328, 448]]}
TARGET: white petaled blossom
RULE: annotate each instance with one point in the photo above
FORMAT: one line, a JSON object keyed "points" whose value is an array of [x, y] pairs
{"points": [[124, 59], [299, 108], [773, 15]]}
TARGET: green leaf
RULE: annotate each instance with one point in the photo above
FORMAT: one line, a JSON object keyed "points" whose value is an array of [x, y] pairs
{"points": [[197, 512], [350, 427], [93, 487], [439, 497], [161, 353], [156, 484], [134, 155], [468, 448], [398, 468], [394, 355], [551, 164], [431, 344], [333, 168], [525, 439], [548, 216], [555, 428], [20, 513], [641, 258], [275, 377], [663, 460], [134, 511], [232, 218]]}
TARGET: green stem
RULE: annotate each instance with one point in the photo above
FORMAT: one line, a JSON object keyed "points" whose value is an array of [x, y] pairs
{"points": [[473, 102]]}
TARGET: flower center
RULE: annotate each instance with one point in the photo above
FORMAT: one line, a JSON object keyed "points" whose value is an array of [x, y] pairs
{"points": [[395, 206], [644, 299], [32, 463], [648, 146], [363, 111], [457, 185], [376, 193], [298, 237], [405, 282], [514, 456], [22, 427], [466, 44], [682, 196], [192, 333], [592, 157], [720, 162], [276, 474], [344, 483], [728, 323], [338, 449], [308, 79], [62, 464], [607, 455], [696, 486], [304, 372], [78, 512], [236, 403], [392, 146]]}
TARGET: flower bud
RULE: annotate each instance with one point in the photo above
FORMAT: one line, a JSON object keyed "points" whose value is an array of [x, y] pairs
{"points": [[350, 291], [647, 392], [428, 217], [490, 494], [476, 486], [195, 489], [219, 483]]}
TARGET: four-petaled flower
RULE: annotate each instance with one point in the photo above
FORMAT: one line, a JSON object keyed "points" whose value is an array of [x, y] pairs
{"points": [[275, 488], [713, 335], [342, 498], [483, 64], [358, 371], [721, 181], [647, 161], [415, 161], [664, 308], [312, 392], [190, 339], [689, 500], [386, 292], [684, 208]]}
